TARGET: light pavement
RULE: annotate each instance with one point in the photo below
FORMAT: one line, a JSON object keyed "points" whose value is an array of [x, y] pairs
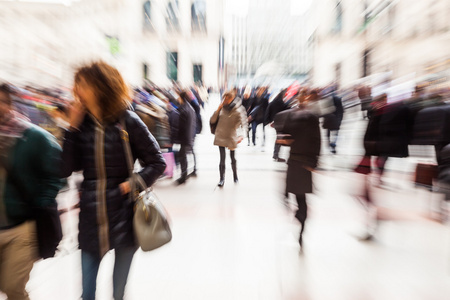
{"points": [[240, 242]]}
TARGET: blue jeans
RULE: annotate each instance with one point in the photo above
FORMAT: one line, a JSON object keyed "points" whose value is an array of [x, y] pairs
{"points": [[89, 268], [254, 126]]}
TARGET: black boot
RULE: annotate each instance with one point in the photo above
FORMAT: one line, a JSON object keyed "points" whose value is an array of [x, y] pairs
{"points": [[182, 179], [222, 176], [300, 238], [235, 177]]}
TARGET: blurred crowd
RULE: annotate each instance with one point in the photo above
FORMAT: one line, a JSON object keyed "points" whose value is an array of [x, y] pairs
{"points": [[89, 122], [392, 125]]}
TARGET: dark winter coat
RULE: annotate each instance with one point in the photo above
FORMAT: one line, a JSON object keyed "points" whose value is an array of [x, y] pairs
{"points": [[259, 111], [303, 126], [198, 117], [389, 131], [106, 216], [174, 119], [432, 126], [248, 104], [277, 105], [186, 125], [332, 121]]}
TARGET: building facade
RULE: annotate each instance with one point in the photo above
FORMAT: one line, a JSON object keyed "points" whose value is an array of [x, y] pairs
{"points": [[398, 38], [158, 40]]}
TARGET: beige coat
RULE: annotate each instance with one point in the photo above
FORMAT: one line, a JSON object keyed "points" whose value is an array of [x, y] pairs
{"points": [[232, 124]]}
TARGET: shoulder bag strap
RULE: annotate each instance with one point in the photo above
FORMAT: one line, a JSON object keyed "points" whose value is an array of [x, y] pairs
{"points": [[129, 157]]}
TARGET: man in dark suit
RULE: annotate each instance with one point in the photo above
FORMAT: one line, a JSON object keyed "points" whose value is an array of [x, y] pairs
{"points": [[303, 128]]}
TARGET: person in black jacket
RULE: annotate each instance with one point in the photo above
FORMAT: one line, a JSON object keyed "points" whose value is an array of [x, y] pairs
{"points": [[186, 133], [332, 121], [93, 144], [258, 112], [277, 105], [196, 104], [248, 103], [303, 128]]}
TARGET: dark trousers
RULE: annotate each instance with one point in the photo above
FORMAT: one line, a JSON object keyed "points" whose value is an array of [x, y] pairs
{"points": [[182, 157], [195, 159], [302, 211], [89, 269], [380, 162], [254, 126], [276, 150], [332, 136], [222, 157]]}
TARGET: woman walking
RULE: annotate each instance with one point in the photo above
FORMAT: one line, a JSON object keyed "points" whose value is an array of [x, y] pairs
{"points": [[302, 127], [93, 144], [228, 118]]}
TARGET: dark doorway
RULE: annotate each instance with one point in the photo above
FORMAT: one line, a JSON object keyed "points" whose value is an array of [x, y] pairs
{"points": [[198, 74]]}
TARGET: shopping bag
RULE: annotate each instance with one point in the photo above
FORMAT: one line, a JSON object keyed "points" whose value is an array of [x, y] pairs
{"points": [[170, 164]]}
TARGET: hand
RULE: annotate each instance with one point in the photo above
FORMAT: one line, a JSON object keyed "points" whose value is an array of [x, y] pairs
{"points": [[309, 169], [125, 188], [240, 139], [76, 114], [286, 142], [220, 106]]}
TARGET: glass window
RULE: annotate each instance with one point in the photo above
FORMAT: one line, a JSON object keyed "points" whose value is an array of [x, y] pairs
{"points": [[198, 73], [198, 15], [338, 22], [172, 65], [145, 71], [147, 12], [172, 15]]}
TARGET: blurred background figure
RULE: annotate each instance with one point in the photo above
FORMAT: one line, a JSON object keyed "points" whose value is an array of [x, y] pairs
{"points": [[258, 112], [197, 103], [248, 103], [278, 104], [93, 144], [185, 134], [332, 118], [29, 183], [365, 97], [388, 134], [303, 129], [231, 127]]}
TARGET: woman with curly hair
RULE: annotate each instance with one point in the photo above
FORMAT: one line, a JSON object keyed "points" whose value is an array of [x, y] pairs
{"points": [[93, 145]]}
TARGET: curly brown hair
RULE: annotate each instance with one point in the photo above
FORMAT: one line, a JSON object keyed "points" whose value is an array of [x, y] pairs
{"points": [[110, 89]]}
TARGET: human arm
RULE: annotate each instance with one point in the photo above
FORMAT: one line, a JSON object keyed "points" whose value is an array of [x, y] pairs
{"points": [[145, 148]]}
